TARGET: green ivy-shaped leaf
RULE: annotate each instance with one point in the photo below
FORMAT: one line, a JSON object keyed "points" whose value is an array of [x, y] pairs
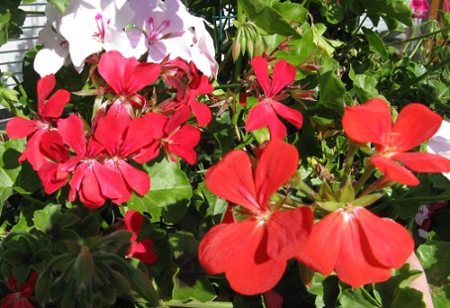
{"points": [[9, 167], [169, 193], [189, 280]]}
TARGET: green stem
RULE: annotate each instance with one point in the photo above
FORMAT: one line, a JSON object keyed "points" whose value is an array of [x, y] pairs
{"points": [[367, 173], [409, 83], [226, 86], [408, 201], [348, 163], [419, 37], [238, 64], [308, 191], [34, 200], [18, 83], [175, 303]]}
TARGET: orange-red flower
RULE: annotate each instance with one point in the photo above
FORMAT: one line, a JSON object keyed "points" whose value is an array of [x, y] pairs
{"points": [[372, 122], [253, 253], [361, 247]]}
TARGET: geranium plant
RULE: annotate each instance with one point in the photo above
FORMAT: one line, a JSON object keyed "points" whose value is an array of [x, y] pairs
{"points": [[156, 158]]}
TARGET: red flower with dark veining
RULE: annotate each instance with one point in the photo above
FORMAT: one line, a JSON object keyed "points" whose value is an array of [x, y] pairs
{"points": [[266, 112], [372, 122], [253, 253], [19, 299], [49, 110], [361, 247]]}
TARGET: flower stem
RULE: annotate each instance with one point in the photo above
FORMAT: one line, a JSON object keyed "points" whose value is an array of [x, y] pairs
{"points": [[348, 163], [175, 303], [18, 83], [367, 173], [34, 200], [308, 191], [419, 37], [409, 83], [421, 200]]}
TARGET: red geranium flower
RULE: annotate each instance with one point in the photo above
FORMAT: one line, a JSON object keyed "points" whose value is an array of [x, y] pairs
{"points": [[253, 253], [265, 113], [46, 117], [372, 122], [93, 181], [179, 138], [126, 76], [119, 138], [19, 299], [361, 247], [142, 250], [186, 99]]}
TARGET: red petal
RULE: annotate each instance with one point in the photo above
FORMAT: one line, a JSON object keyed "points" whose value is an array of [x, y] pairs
{"points": [[157, 121], [147, 153], [52, 146], [144, 251], [71, 129], [415, 124], [323, 245], [277, 164], [109, 132], [90, 193], [287, 232], [259, 116], [52, 178], [45, 86], [235, 249], [110, 181], [273, 299], [283, 74], [423, 162], [394, 171], [133, 142], [141, 76], [32, 151], [54, 107], [261, 67], [201, 112], [263, 115], [18, 127], [204, 86], [390, 244], [182, 143], [370, 122], [291, 115], [138, 180], [232, 179], [352, 265], [112, 68], [133, 221]]}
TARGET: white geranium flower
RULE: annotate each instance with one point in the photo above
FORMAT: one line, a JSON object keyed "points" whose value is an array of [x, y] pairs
{"points": [[93, 26], [440, 143], [56, 49]]}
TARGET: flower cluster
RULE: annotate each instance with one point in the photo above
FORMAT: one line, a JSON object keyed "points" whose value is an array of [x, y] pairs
{"points": [[161, 30], [96, 161], [253, 252]]}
